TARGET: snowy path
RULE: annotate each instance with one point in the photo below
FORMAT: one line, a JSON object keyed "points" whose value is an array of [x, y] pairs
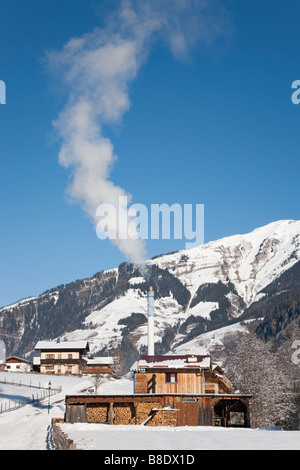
{"points": [[28, 428]]}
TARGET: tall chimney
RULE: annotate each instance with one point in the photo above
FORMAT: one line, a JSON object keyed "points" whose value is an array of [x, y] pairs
{"points": [[150, 310]]}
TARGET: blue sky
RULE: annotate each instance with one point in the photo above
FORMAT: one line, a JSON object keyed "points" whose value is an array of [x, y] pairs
{"points": [[214, 126]]}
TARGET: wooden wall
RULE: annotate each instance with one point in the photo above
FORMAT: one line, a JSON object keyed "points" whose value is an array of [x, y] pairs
{"points": [[97, 369], [188, 381], [184, 410], [115, 411], [216, 383]]}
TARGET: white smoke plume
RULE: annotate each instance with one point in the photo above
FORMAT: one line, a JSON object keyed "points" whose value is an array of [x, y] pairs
{"points": [[97, 70]]}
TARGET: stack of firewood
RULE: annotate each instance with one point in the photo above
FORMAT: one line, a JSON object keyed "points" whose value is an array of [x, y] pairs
{"points": [[123, 413], [163, 418], [150, 414], [97, 413], [144, 410]]}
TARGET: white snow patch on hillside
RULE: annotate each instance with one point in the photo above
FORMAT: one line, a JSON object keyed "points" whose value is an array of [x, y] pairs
{"points": [[206, 342], [19, 303], [136, 280], [203, 309]]}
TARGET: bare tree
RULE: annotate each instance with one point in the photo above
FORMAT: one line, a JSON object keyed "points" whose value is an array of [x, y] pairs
{"points": [[119, 366], [257, 368], [98, 380], [290, 352]]}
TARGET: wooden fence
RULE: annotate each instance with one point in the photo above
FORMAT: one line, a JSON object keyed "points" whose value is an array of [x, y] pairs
{"points": [[41, 394], [61, 441]]}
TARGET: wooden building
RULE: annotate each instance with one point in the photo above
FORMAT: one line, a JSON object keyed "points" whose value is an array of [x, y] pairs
{"points": [[65, 357], [171, 374], [160, 409], [179, 374], [168, 390], [16, 364], [99, 365]]}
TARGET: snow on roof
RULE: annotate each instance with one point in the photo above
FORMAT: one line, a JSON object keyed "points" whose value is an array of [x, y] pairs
{"points": [[100, 360], [174, 362], [68, 345]]}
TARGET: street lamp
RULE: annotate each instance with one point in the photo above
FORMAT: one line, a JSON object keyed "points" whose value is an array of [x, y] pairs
{"points": [[49, 385]]}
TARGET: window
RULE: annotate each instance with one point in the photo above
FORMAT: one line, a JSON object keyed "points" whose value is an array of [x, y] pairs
{"points": [[69, 356], [171, 377], [49, 356]]}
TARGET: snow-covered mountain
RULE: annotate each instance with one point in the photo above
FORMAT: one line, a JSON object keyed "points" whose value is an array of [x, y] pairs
{"points": [[201, 296]]}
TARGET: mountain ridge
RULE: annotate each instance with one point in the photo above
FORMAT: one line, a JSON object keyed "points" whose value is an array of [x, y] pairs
{"points": [[197, 291]]}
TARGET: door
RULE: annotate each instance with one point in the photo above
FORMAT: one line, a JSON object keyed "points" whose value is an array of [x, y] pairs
{"points": [[76, 413], [187, 414]]}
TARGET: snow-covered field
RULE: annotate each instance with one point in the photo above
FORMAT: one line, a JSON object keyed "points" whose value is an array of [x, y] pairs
{"points": [[29, 427], [102, 436]]}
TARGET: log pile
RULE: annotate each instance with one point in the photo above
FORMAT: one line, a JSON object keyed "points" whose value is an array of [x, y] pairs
{"points": [[144, 410], [150, 414], [97, 413], [163, 418], [124, 413]]}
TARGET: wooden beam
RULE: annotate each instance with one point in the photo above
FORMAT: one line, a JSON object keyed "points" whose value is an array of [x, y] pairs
{"points": [[111, 412]]}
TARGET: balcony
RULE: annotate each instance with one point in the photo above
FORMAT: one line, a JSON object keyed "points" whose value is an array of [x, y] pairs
{"points": [[62, 361]]}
